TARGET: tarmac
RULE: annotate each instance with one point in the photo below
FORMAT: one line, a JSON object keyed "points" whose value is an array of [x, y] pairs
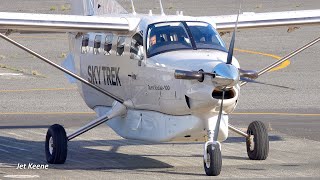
{"points": [[34, 96]]}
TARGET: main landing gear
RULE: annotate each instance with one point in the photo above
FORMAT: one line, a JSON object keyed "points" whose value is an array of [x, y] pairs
{"points": [[56, 145], [257, 142]]}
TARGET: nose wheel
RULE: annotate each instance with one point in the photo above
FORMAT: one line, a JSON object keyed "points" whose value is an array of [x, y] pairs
{"points": [[56, 145], [213, 160]]}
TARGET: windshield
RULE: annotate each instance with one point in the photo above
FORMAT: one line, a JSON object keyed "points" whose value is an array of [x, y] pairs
{"points": [[167, 36], [205, 36], [172, 36]]}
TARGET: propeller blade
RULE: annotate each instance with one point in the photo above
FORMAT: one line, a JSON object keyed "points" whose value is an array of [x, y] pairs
{"points": [[216, 130], [191, 75], [248, 74], [258, 82], [231, 47]]}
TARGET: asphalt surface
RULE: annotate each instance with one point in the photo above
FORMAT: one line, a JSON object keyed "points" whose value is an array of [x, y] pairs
{"points": [[36, 96]]}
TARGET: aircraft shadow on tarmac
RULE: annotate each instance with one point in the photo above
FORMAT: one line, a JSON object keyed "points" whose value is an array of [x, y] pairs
{"points": [[82, 157]]}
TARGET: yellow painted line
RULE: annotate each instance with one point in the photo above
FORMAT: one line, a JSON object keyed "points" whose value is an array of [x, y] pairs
{"points": [[40, 89], [281, 66], [279, 114], [43, 113], [243, 113]]}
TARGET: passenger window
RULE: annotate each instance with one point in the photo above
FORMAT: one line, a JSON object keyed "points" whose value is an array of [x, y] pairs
{"points": [[85, 44], [120, 45], [97, 44], [108, 44], [136, 48]]}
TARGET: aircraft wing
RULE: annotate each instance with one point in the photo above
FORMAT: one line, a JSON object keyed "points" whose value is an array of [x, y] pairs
{"points": [[249, 20], [26, 22]]}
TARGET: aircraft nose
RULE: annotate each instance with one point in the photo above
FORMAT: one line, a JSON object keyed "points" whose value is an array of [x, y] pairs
{"points": [[227, 75]]}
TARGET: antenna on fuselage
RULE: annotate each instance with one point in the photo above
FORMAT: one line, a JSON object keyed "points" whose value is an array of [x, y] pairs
{"points": [[133, 9], [161, 8]]}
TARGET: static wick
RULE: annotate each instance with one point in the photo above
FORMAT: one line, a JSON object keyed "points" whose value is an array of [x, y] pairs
{"points": [[161, 8], [133, 9]]}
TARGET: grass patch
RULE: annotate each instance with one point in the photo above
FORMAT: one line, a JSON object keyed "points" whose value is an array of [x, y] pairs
{"points": [[65, 7], [53, 8], [63, 55], [33, 72], [259, 6]]}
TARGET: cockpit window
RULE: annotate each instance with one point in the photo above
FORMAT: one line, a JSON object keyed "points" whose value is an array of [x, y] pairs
{"points": [[205, 36], [164, 37], [136, 48], [172, 36]]}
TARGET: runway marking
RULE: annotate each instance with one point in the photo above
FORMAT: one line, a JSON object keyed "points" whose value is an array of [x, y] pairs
{"points": [[279, 114], [21, 176], [14, 147], [43, 113], [11, 74], [38, 89], [4, 150], [281, 66]]}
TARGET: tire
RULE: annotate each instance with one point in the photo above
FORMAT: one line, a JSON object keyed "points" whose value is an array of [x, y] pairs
{"points": [[57, 139], [213, 168], [258, 147]]}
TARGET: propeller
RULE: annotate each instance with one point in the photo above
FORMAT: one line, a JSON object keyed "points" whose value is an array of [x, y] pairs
{"points": [[258, 82], [229, 62]]}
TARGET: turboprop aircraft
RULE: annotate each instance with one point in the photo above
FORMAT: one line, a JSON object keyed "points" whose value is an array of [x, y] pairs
{"points": [[156, 77]]}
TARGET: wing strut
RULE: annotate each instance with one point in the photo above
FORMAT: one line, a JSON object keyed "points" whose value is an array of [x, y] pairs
{"points": [[290, 55], [62, 69]]}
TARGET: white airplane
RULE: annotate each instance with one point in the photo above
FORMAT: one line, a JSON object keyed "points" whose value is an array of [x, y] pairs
{"points": [[156, 77]]}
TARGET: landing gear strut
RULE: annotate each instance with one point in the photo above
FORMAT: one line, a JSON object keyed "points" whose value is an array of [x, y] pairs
{"points": [[257, 140]]}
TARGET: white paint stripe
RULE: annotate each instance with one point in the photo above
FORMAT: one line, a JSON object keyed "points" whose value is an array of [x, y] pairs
{"points": [[21, 149], [11, 74], [41, 133], [5, 165], [17, 135], [21, 176], [4, 150]]}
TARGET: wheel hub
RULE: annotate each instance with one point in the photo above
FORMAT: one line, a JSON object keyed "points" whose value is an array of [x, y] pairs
{"points": [[251, 142], [208, 160], [51, 145]]}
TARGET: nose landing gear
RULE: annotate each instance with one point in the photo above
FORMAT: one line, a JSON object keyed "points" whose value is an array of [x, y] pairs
{"points": [[212, 159]]}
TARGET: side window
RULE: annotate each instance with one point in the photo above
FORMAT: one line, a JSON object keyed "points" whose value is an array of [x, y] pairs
{"points": [[85, 44], [97, 44], [136, 47], [108, 44], [120, 45]]}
